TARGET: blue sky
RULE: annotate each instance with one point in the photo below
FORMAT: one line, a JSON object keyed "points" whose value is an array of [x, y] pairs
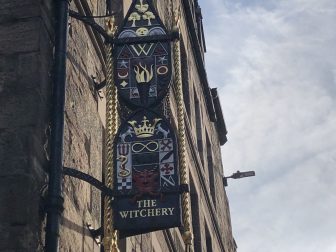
{"points": [[277, 82]]}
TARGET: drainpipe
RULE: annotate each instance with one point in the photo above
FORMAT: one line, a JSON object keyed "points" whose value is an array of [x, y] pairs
{"points": [[55, 199]]}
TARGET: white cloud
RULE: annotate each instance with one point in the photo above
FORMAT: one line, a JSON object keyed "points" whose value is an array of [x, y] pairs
{"points": [[278, 90]]}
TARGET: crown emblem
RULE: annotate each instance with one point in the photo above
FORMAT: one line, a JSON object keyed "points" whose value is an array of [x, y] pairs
{"points": [[146, 129]]}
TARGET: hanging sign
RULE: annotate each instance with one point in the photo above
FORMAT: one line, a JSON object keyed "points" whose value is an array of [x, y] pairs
{"points": [[146, 175], [142, 69]]}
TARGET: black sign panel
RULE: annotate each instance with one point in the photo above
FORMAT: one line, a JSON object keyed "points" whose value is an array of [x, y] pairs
{"points": [[142, 70], [146, 175]]}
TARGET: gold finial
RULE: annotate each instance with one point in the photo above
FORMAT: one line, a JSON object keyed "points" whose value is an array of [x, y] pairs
{"points": [[187, 237], [176, 15], [110, 26]]}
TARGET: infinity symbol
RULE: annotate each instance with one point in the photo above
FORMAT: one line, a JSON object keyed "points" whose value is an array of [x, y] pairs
{"points": [[151, 146]]}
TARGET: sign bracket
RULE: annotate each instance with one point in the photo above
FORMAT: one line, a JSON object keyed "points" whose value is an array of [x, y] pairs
{"points": [[96, 234], [89, 20], [89, 179]]}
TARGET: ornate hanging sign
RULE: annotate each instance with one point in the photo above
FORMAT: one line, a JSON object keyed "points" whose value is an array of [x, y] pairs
{"points": [[142, 69], [147, 176]]}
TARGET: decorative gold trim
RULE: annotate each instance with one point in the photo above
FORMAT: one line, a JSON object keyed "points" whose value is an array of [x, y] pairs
{"points": [[110, 240], [187, 235]]}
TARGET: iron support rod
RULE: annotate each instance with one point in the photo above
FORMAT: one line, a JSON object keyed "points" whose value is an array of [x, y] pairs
{"points": [[55, 199]]}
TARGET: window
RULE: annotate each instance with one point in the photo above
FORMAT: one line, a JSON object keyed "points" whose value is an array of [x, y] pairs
{"points": [[198, 127], [208, 240], [211, 170], [195, 216], [185, 78]]}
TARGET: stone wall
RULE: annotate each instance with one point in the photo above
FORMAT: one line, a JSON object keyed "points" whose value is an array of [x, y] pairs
{"points": [[83, 133], [26, 47], [25, 84]]}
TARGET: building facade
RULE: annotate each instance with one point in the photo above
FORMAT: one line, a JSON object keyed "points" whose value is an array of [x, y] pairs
{"points": [[26, 72]]}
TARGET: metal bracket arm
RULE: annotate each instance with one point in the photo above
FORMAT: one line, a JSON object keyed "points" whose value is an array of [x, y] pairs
{"points": [[146, 39], [98, 86], [90, 21], [95, 233], [89, 179]]}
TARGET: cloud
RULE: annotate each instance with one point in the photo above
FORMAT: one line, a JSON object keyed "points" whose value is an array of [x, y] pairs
{"points": [[278, 92]]}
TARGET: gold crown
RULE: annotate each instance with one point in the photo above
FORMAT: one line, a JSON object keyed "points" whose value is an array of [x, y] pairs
{"points": [[146, 129]]}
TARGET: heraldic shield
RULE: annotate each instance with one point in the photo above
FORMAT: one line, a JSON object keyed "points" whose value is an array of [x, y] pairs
{"points": [[146, 175], [143, 70]]}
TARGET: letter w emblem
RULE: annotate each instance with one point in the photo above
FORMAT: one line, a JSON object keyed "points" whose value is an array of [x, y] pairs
{"points": [[142, 48]]}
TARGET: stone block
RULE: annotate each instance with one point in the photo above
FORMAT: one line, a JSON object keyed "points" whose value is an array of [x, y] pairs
{"points": [[18, 37], [34, 73], [24, 91], [20, 73], [19, 111], [8, 63], [20, 222], [20, 238], [19, 200], [13, 157], [22, 152], [18, 9]]}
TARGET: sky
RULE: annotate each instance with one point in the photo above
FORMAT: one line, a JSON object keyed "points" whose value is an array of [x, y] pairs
{"points": [[274, 63]]}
